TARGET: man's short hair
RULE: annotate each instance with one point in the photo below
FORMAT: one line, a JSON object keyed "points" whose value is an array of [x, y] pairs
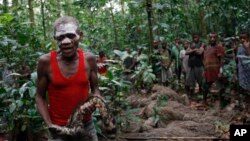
{"points": [[64, 20], [195, 34], [213, 33], [101, 53], [246, 33]]}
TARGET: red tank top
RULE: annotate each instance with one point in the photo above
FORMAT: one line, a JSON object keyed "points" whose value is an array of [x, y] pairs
{"points": [[103, 69], [66, 93]]}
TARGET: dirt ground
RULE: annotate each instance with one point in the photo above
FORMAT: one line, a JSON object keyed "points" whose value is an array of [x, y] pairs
{"points": [[177, 118], [164, 114]]}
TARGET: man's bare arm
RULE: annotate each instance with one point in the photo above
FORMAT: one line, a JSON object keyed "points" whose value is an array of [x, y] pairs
{"points": [[199, 51], [189, 51], [42, 84], [93, 78], [246, 45]]}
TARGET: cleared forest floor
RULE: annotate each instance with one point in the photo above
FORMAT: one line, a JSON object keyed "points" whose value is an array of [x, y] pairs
{"points": [[178, 119]]}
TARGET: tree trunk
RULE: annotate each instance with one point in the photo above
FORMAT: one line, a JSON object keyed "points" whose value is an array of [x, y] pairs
{"points": [[202, 22], [150, 28], [122, 6], [43, 19], [116, 44], [14, 3], [15, 6], [31, 14], [5, 3]]}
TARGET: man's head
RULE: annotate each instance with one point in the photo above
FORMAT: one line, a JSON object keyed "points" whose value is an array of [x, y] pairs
{"points": [[177, 41], [213, 38], [67, 34], [185, 44], [244, 37], [164, 45], [101, 54], [128, 50], [195, 37], [155, 44]]}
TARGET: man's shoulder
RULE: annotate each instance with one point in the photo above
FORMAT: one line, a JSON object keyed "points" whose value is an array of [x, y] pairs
{"points": [[220, 45], [89, 55], [86, 53], [44, 58]]}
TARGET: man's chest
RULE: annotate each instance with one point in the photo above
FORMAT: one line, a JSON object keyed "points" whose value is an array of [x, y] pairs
{"points": [[68, 70]]}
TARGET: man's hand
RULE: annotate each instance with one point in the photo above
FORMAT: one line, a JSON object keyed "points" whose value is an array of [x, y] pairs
{"points": [[55, 129]]}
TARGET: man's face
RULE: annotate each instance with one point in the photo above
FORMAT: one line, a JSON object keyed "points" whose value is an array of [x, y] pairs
{"points": [[67, 38], [196, 38], [177, 42], [243, 38], [155, 45], [185, 44], [212, 39]]}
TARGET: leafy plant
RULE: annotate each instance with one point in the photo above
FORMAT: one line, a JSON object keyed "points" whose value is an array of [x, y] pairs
{"points": [[114, 88], [221, 128], [18, 107]]}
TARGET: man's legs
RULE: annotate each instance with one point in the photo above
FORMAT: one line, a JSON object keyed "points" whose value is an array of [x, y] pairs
{"points": [[90, 128], [163, 76], [206, 87], [199, 77], [190, 82]]}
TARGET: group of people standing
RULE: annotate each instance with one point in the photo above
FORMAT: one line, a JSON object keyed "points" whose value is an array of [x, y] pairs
{"points": [[203, 64]]}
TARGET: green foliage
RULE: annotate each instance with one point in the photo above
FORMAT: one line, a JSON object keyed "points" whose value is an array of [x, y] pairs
{"points": [[19, 46], [17, 42], [226, 17], [144, 75], [114, 88], [230, 71], [221, 127], [161, 102], [18, 107]]}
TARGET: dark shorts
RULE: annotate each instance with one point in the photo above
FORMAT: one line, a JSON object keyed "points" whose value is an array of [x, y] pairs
{"points": [[194, 74]]}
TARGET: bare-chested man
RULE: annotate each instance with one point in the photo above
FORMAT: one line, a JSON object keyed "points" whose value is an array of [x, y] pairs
{"points": [[66, 75]]}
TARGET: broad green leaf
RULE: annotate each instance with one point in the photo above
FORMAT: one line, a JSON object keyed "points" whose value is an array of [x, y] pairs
{"points": [[19, 103], [34, 76], [117, 83], [32, 92], [12, 107]]}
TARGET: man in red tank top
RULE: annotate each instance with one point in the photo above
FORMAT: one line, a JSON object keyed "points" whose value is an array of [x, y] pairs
{"points": [[66, 75], [101, 63]]}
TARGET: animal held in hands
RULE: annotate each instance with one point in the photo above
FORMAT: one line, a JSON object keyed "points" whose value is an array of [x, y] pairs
{"points": [[74, 129]]}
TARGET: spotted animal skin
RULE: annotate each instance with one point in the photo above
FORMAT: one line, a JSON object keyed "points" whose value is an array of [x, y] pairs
{"points": [[74, 129]]}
